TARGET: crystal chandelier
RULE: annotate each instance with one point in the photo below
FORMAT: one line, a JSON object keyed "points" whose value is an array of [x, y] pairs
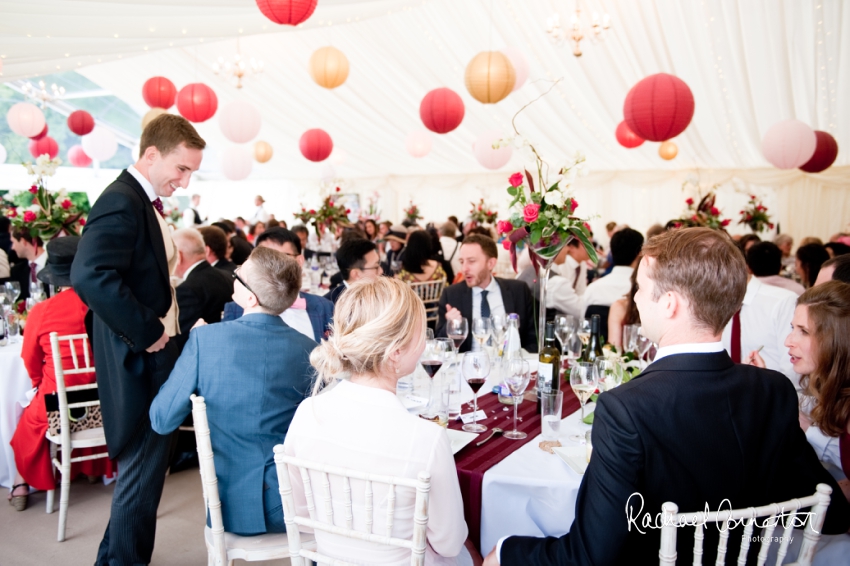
{"points": [[576, 30], [237, 67], [40, 95]]}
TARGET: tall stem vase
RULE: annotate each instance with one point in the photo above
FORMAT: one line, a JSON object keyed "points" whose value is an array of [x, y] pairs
{"points": [[543, 255]]}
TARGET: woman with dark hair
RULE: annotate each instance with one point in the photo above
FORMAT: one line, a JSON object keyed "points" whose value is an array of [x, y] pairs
{"points": [[809, 258], [417, 262], [747, 241], [371, 229], [623, 312], [255, 231]]}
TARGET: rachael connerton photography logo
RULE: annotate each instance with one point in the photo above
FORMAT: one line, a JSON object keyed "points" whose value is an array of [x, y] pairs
{"points": [[641, 521]]}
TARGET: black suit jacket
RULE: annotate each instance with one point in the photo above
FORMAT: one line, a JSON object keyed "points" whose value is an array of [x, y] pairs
{"points": [[225, 265], [515, 296], [334, 294], [120, 271], [693, 429], [202, 295]]}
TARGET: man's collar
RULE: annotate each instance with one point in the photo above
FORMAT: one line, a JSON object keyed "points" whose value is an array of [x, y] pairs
{"points": [[191, 268], [41, 260], [493, 286], [146, 185], [694, 348]]}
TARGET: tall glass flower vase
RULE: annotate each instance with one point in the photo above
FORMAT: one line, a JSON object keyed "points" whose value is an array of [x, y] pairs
{"points": [[546, 250]]}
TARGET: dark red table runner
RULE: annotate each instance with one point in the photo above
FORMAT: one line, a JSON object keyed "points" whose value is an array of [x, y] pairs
{"points": [[472, 461]]}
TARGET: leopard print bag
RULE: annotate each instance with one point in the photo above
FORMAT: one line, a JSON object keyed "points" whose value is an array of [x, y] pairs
{"points": [[80, 418]]}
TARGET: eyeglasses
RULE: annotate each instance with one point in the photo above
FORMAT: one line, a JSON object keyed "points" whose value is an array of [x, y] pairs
{"points": [[370, 268], [242, 281]]}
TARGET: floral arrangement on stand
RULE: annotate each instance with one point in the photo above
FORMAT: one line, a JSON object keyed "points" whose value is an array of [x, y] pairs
{"points": [[411, 213], [372, 211], [328, 217], [482, 213], [52, 214], [703, 213], [755, 216]]}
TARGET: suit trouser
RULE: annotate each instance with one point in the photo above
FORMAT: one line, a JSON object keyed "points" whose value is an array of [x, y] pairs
{"points": [[129, 536]]}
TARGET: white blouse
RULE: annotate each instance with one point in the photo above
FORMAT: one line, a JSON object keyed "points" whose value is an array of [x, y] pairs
{"points": [[368, 429]]}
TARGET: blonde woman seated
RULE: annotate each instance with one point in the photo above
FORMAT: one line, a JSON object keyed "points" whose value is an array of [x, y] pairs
{"points": [[354, 420]]}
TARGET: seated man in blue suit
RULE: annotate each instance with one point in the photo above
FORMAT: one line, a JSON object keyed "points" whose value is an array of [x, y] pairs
{"points": [[357, 259], [252, 372], [310, 315]]}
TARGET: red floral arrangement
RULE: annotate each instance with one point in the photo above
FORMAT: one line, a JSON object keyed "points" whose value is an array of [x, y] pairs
{"points": [[327, 217], [703, 214], [755, 216], [411, 213], [482, 213]]}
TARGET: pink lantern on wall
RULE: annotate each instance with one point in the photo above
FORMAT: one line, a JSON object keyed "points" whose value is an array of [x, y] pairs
{"points": [[520, 64], [80, 122], [236, 162], [197, 102], [239, 121], [659, 107], [316, 145], [488, 156], [44, 145], [789, 144], [825, 153], [25, 119], [626, 137], [418, 143], [77, 156], [441, 110]]}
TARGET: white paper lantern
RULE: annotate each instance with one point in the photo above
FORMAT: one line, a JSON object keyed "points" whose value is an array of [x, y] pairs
{"points": [[486, 155], [418, 143], [25, 119], [2, 155], [239, 121], [236, 162], [520, 64], [100, 144]]}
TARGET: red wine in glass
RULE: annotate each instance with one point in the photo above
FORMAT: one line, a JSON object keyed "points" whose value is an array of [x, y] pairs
{"points": [[431, 367], [476, 383]]}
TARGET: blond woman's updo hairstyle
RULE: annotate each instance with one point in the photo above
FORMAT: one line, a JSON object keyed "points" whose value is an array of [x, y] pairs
{"points": [[372, 319]]}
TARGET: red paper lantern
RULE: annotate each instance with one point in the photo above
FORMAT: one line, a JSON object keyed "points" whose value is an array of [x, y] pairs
{"points": [[441, 110], [159, 92], [41, 134], [80, 122], [45, 145], [659, 107], [287, 12], [77, 156], [825, 153], [626, 137], [316, 145], [197, 102]]}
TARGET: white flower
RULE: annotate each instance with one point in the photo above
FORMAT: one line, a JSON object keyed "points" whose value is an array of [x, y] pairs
{"points": [[34, 207], [579, 157], [30, 170], [554, 198]]}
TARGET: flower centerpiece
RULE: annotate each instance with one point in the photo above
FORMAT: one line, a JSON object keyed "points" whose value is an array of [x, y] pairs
{"points": [[372, 211], [52, 214], [327, 217], [482, 213], [702, 212], [755, 216], [411, 213]]}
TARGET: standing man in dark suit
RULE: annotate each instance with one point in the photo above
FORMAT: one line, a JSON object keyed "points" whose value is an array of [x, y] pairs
{"points": [[121, 271], [481, 295], [693, 428], [357, 259], [215, 248]]}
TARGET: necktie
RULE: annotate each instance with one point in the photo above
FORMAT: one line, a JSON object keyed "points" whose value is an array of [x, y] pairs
{"points": [[578, 274], [736, 337], [157, 204], [485, 305], [33, 277]]}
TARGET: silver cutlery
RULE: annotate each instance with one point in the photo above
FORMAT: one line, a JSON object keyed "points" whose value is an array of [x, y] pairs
{"points": [[492, 432]]}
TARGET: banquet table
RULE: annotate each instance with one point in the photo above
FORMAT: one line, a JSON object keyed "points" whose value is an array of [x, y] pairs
{"points": [[14, 383]]}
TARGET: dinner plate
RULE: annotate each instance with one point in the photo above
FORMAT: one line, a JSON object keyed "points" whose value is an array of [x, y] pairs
{"points": [[460, 438], [574, 456]]}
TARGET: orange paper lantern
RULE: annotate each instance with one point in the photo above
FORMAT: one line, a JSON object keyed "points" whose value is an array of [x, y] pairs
{"points": [[490, 77], [668, 150], [329, 67], [263, 151]]}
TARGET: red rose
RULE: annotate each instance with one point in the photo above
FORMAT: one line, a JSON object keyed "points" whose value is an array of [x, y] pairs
{"points": [[82, 221], [573, 205], [348, 211], [21, 307], [587, 227], [66, 204], [725, 222], [677, 225], [530, 212], [480, 207], [506, 243], [516, 179], [312, 211], [694, 218], [29, 216], [689, 202], [330, 203], [33, 189], [715, 211], [752, 197], [504, 227], [337, 189]]}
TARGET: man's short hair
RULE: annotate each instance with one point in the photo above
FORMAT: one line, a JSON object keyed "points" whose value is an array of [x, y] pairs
{"points": [[841, 266], [24, 234], [488, 246], [189, 241], [167, 131], [215, 239], [625, 246], [274, 277], [351, 255], [300, 229], [226, 226], [704, 266], [448, 229], [610, 226], [764, 259], [280, 236]]}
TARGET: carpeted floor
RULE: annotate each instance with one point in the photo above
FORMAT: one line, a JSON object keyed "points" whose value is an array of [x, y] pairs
{"points": [[29, 537]]}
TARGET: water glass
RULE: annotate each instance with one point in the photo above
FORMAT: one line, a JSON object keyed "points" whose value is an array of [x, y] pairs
{"points": [[450, 389], [630, 335], [550, 411], [499, 329], [481, 329], [572, 348]]}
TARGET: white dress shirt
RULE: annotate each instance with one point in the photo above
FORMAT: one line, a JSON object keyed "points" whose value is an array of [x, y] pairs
{"points": [[766, 321], [299, 320], [40, 261], [189, 218], [609, 289], [260, 215], [563, 292], [494, 299], [146, 185], [191, 268], [784, 283], [368, 429], [691, 348]]}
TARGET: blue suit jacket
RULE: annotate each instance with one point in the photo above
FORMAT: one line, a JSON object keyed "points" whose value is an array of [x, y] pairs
{"points": [[334, 294], [253, 373], [319, 309]]}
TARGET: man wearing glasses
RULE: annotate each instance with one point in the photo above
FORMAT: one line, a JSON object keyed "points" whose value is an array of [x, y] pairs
{"points": [[357, 259]]}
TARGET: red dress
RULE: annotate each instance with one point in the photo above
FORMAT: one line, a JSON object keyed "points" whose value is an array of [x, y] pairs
{"points": [[62, 313]]}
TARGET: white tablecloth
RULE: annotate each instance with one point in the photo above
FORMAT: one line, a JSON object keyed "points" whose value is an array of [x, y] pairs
{"points": [[14, 383]]}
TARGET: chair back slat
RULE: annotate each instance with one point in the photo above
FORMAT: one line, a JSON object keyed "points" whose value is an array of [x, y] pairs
{"points": [[74, 354], [699, 538], [745, 541], [308, 492], [786, 532], [767, 533], [60, 373], [326, 493], [390, 510], [208, 477], [721, 548], [347, 488], [368, 507], [429, 293]]}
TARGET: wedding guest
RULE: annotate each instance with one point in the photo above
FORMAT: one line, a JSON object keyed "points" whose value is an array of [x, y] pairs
{"points": [[216, 246], [623, 312], [304, 235], [255, 231], [810, 240], [809, 259], [450, 245], [260, 214], [397, 238], [191, 217], [357, 259], [31, 259], [417, 263], [690, 283], [747, 241], [481, 295], [625, 251], [567, 281], [6, 238], [272, 223], [252, 373], [371, 229], [240, 248], [654, 230], [354, 420], [786, 244], [764, 260], [835, 249], [64, 314], [835, 269]]}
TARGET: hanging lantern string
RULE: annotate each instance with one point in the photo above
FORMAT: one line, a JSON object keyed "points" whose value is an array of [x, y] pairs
{"points": [[513, 124]]}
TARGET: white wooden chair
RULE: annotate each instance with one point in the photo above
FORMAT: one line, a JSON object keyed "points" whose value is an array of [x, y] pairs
{"points": [[818, 502], [326, 522], [222, 547], [429, 292], [65, 442]]}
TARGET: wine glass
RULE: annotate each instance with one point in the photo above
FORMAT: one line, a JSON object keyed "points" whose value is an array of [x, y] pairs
{"points": [[429, 334], [584, 331], [564, 325], [13, 291], [395, 266], [476, 368], [481, 328], [573, 346], [643, 345], [630, 335], [517, 380], [499, 329], [432, 358], [584, 379], [610, 373], [457, 329]]}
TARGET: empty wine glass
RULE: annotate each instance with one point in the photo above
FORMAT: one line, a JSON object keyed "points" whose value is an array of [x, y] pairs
{"points": [[13, 291], [499, 328], [476, 368], [584, 331], [457, 329], [517, 380], [481, 328], [572, 348], [564, 325], [630, 335], [436, 353], [610, 373], [643, 345]]}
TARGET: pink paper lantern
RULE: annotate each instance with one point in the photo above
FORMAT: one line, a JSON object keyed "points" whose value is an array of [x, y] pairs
{"points": [[40, 134], [659, 107], [418, 143], [486, 155], [824, 155], [441, 110], [789, 144], [25, 119], [77, 156], [236, 162], [159, 92], [45, 145], [626, 137], [239, 121], [316, 145], [520, 64], [197, 102], [80, 122]]}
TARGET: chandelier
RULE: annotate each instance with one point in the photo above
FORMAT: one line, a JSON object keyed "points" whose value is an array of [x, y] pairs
{"points": [[40, 94], [237, 67], [577, 29]]}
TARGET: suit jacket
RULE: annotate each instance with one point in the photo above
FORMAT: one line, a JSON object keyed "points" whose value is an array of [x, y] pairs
{"points": [[693, 429], [319, 309], [202, 295], [120, 272], [225, 265], [515, 296], [334, 294], [252, 373], [242, 248]]}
